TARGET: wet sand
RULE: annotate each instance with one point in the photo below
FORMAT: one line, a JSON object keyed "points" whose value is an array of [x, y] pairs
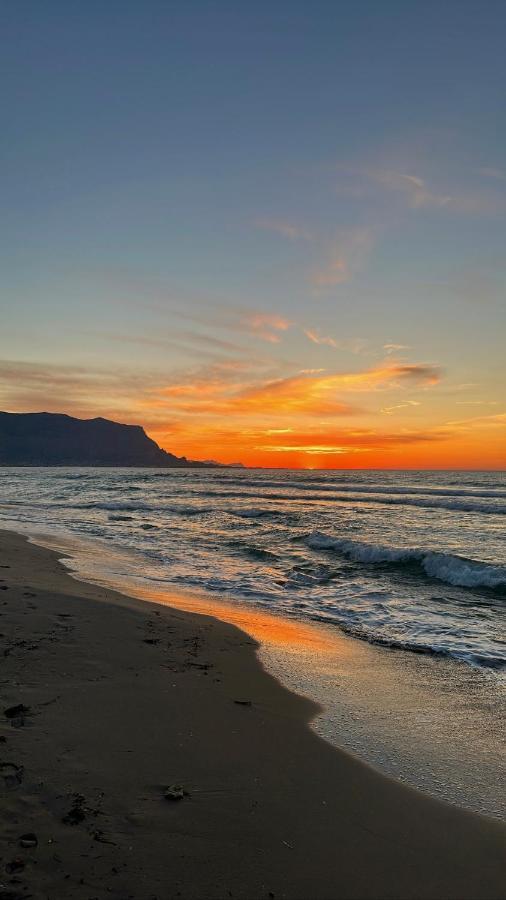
{"points": [[121, 699]]}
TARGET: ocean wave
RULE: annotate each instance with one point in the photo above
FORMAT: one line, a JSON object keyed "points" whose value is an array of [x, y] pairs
{"points": [[249, 535], [183, 510], [492, 507], [336, 486], [449, 503], [257, 553], [455, 570], [253, 513], [131, 506], [484, 660], [420, 490], [113, 505]]}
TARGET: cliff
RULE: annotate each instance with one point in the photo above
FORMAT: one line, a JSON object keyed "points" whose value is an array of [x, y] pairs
{"points": [[51, 439]]}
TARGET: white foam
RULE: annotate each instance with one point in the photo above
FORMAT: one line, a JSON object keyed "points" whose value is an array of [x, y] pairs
{"points": [[455, 570]]}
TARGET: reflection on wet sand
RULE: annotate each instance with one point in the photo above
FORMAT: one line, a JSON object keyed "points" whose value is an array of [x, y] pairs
{"points": [[405, 713]]}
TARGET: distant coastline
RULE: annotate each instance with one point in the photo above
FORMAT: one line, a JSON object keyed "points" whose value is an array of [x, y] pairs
{"points": [[59, 440]]}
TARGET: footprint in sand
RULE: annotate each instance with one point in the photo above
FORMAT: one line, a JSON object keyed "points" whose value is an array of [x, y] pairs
{"points": [[11, 773], [16, 714]]}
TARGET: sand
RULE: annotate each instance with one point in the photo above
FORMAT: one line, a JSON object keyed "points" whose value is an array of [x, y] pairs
{"points": [[125, 698]]}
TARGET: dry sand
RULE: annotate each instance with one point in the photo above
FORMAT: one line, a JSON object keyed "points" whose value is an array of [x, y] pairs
{"points": [[125, 698]]}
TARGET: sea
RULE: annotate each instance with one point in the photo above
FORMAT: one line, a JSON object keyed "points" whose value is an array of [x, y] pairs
{"points": [[410, 563]]}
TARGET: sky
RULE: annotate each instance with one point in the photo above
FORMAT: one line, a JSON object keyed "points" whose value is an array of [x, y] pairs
{"points": [[268, 232]]}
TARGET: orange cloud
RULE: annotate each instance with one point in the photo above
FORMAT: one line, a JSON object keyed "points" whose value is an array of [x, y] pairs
{"points": [[324, 447], [319, 339], [37, 387], [346, 441], [264, 325], [389, 410], [256, 323], [310, 392], [230, 412], [497, 420]]}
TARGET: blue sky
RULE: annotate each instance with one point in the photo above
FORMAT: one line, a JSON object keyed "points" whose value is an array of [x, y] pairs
{"points": [[172, 172]]}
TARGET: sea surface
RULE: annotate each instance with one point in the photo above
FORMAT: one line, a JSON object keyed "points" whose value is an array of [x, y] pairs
{"points": [[407, 560], [399, 577]]}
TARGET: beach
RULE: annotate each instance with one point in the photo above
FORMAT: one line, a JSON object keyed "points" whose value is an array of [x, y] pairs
{"points": [[391, 626], [109, 701]]}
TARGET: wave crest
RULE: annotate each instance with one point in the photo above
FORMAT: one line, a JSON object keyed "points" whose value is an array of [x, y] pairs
{"points": [[455, 570]]}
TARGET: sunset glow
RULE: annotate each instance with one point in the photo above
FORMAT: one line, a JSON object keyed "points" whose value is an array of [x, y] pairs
{"points": [[253, 448], [241, 268]]}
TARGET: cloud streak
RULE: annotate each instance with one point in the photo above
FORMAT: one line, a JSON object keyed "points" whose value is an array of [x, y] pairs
{"points": [[316, 338], [38, 387], [497, 420], [389, 410], [308, 393], [284, 228], [350, 441], [266, 326], [346, 256], [395, 348], [415, 192], [413, 188], [261, 325]]}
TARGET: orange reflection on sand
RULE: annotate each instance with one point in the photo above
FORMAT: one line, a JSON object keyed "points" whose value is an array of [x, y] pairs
{"points": [[265, 628], [268, 629]]}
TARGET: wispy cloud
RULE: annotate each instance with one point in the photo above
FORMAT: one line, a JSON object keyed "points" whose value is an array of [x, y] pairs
{"points": [[349, 441], [308, 392], [346, 256], [284, 228], [336, 271], [395, 348], [492, 173], [42, 387], [417, 193], [351, 345], [412, 187], [319, 338], [497, 420], [477, 403], [266, 326], [231, 404], [354, 345], [189, 341], [389, 410], [269, 327]]}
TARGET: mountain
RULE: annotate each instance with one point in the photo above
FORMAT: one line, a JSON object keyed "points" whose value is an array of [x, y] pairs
{"points": [[51, 439]]}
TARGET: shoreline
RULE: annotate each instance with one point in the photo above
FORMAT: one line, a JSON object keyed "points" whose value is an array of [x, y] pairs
{"points": [[389, 708], [126, 701]]}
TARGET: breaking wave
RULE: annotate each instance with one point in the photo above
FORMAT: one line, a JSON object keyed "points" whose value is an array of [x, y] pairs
{"points": [[323, 546], [455, 570]]}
